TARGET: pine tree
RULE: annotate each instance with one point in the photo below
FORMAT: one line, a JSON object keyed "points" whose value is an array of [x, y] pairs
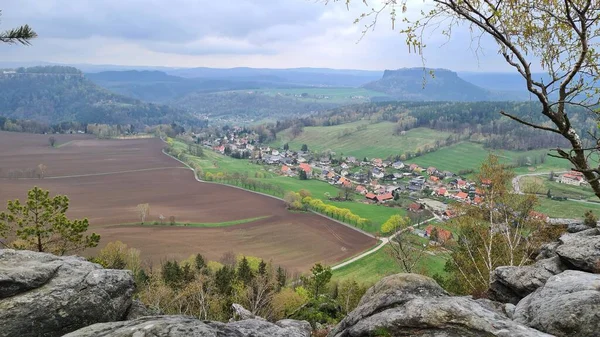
{"points": [[281, 277], [244, 272], [200, 262], [262, 268], [224, 280]]}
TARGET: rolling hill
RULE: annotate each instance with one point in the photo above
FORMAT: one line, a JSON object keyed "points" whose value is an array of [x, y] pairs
{"points": [[54, 94], [416, 84]]}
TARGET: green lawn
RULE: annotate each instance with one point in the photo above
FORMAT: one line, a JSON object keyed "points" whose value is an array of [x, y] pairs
{"points": [[468, 155], [377, 140], [566, 209], [379, 264], [325, 95], [214, 224]]}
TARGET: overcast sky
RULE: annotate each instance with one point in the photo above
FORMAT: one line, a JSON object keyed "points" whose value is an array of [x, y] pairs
{"points": [[225, 34]]}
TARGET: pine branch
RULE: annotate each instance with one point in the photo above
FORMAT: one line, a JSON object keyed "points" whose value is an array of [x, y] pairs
{"points": [[20, 35]]}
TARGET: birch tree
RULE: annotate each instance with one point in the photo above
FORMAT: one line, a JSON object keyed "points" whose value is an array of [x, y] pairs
{"points": [[560, 37], [143, 211]]}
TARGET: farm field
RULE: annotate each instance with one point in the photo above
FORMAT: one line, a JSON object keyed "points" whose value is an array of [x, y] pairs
{"points": [[467, 155], [253, 224], [377, 140], [325, 95], [541, 184], [79, 154]]}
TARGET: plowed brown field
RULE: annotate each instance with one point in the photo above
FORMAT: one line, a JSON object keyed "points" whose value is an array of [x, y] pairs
{"points": [[106, 179]]}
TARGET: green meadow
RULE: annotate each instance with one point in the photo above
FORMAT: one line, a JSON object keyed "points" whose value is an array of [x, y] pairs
{"points": [[324, 95], [361, 139]]}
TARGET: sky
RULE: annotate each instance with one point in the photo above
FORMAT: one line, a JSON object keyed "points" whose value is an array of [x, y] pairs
{"points": [[227, 34]]}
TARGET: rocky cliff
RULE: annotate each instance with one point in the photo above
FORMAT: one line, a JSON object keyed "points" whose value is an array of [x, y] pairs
{"points": [[46, 295]]}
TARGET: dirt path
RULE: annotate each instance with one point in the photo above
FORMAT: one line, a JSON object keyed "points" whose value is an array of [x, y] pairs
{"points": [[384, 241]]}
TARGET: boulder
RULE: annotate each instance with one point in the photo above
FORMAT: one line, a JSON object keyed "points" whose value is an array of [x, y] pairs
{"points": [[46, 295], [567, 305], [547, 250], [410, 304], [581, 250], [241, 313], [577, 227], [138, 309], [183, 326], [511, 284]]}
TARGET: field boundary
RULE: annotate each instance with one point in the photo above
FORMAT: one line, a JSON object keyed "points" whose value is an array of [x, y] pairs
{"points": [[271, 196], [100, 174]]}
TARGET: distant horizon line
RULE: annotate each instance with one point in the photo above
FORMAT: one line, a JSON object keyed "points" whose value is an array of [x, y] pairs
{"points": [[158, 67]]}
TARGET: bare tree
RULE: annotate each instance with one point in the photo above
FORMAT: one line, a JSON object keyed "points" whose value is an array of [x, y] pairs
{"points": [[563, 37], [41, 171], [143, 211]]}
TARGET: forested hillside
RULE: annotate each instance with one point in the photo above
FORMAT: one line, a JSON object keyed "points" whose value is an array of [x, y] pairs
{"points": [[56, 94], [248, 106]]}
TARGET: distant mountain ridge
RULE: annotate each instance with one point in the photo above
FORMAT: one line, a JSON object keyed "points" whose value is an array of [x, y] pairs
{"points": [[55, 94], [418, 84]]}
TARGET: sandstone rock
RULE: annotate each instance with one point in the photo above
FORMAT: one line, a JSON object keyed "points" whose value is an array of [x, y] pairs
{"points": [[410, 304], [182, 326], [511, 284], [577, 227], [567, 305], [241, 313], [581, 250], [138, 309], [45, 295], [547, 251]]}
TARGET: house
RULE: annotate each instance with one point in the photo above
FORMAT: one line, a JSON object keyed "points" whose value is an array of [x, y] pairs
{"points": [[434, 179], [306, 168], [351, 160], [344, 166], [419, 232], [330, 175], [442, 234], [442, 192], [324, 161], [376, 173], [385, 197], [377, 162], [386, 163], [477, 200], [302, 160], [462, 196], [431, 170], [448, 174], [361, 189], [275, 153], [398, 175], [571, 178], [371, 196], [413, 167], [286, 170], [461, 184], [449, 214], [344, 173], [486, 182], [398, 165], [273, 160], [416, 207]]}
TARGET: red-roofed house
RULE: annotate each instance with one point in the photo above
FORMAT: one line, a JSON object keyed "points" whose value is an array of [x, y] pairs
{"points": [[442, 234], [377, 162], [477, 200], [442, 192], [572, 178], [434, 179], [330, 175], [385, 197], [305, 167], [449, 213], [413, 167], [371, 196], [361, 189], [461, 183], [415, 207], [461, 196], [431, 170], [486, 182], [286, 170]]}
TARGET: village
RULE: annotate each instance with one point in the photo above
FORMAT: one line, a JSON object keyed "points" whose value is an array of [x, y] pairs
{"points": [[386, 181]]}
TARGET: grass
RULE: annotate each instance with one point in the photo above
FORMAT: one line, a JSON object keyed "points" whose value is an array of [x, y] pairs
{"points": [[378, 265], [213, 224], [325, 95], [566, 209], [469, 156], [376, 140]]}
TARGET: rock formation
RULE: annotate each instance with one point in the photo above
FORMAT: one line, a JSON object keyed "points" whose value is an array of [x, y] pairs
{"points": [[46, 295]]}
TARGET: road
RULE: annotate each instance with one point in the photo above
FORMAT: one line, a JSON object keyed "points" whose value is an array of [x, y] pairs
{"points": [[384, 241], [517, 186]]}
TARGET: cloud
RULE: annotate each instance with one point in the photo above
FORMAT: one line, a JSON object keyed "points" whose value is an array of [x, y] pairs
{"points": [[225, 33]]}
